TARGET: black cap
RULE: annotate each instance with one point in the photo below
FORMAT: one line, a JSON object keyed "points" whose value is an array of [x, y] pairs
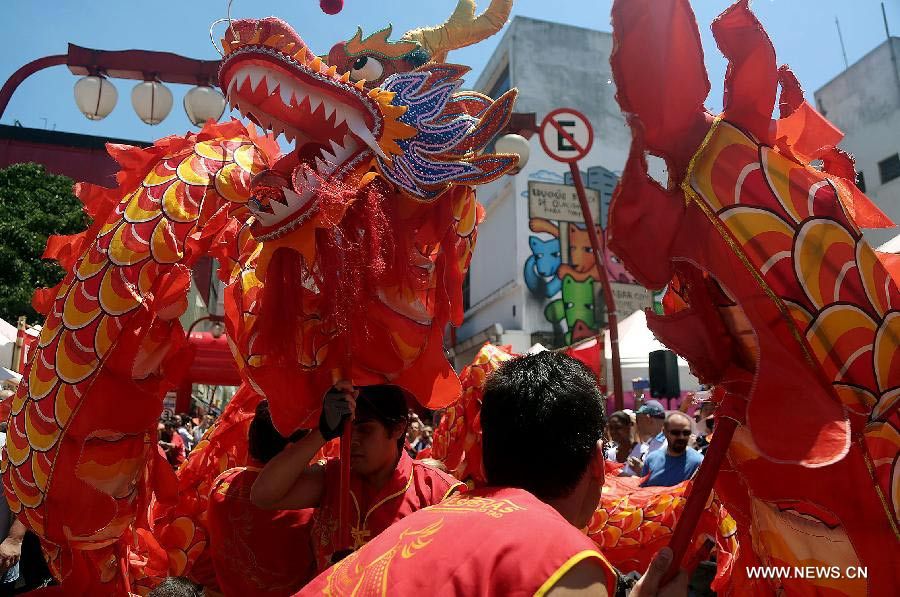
{"points": [[384, 403]]}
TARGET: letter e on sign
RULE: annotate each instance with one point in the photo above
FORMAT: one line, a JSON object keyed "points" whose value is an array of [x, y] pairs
{"points": [[566, 135]]}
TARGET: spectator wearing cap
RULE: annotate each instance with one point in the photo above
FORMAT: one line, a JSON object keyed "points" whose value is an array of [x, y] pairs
{"points": [[677, 462], [651, 417], [385, 483]]}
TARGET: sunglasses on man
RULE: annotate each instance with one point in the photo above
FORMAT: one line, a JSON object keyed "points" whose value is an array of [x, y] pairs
{"points": [[682, 433]]}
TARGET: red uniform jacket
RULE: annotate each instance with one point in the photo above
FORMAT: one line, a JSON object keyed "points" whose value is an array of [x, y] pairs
{"points": [[487, 542], [413, 487], [254, 551], [176, 456]]}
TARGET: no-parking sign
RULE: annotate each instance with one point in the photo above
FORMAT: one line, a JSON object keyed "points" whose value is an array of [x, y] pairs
{"points": [[566, 135]]}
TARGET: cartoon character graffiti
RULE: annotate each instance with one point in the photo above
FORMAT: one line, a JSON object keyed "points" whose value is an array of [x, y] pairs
{"points": [[577, 307], [561, 266], [581, 264], [543, 264], [615, 268]]}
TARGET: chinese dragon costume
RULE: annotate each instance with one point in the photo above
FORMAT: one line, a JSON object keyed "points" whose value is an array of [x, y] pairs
{"points": [[343, 258], [773, 296]]}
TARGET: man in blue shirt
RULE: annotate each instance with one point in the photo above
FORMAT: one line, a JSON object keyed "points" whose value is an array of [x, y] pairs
{"points": [[650, 418], [677, 462]]}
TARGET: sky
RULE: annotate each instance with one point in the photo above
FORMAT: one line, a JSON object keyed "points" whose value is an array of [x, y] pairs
{"points": [[803, 32]]}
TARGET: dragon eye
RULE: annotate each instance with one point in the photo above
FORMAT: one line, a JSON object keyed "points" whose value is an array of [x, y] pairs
{"points": [[366, 67]]}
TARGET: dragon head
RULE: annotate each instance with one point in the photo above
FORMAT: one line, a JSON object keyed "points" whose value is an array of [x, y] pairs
{"points": [[372, 212], [388, 108]]}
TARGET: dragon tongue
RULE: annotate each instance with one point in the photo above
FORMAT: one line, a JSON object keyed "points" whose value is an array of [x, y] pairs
{"points": [[359, 128], [286, 164], [266, 180]]}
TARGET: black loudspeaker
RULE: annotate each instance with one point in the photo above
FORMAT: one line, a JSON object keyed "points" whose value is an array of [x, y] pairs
{"points": [[664, 374]]}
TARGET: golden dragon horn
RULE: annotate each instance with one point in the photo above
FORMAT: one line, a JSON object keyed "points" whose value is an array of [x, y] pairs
{"points": [[462, 29]]}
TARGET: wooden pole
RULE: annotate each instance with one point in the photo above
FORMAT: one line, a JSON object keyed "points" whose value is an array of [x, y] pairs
{"points": [[700, 490], [600, 260], [345, 539]]}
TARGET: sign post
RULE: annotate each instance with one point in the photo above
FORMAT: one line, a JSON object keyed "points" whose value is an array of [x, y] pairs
{"points": [[567, 136]]}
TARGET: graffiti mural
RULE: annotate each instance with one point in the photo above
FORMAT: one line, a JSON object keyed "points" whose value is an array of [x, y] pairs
{"points": [[561, 271], [542, 266]]}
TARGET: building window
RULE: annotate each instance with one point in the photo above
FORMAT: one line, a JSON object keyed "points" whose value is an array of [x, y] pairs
{"points": [[889, 169], [861, 181], [466, 292], [501, 85]]}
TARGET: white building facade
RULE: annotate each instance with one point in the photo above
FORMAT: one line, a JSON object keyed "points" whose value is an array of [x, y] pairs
{"points": [[532, 278], [864, 102]]}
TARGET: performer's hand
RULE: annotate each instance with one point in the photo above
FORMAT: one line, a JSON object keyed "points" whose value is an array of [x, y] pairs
{"points": [[648, 585], [338, 406], [10, 552], [636, 464]]}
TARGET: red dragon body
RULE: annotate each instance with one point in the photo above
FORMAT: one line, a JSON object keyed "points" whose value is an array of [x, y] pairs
{"points": [[774, 295]]}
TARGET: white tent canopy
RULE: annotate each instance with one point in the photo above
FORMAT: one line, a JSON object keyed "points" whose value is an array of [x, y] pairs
{"points": [[891, 246], [636, 342], [7, 342], [8, 375]]}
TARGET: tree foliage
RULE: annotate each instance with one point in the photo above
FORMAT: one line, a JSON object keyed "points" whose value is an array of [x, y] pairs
{"points": [[34, 204]]}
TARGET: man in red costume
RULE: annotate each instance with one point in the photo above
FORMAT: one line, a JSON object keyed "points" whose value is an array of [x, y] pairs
{"points": [[542, 420], [257, 552], [172, 444], [385, 483]]}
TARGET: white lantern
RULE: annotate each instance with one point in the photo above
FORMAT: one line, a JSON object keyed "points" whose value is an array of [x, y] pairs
{"points": [[204, 103], [96, 97], [152, 101], [514, 144]]}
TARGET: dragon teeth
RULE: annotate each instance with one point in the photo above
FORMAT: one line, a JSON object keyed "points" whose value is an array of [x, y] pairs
{"points": [[329, 108], [359, 128], [256, 77], [282, 209], [285, 92], [294, 94], [292, 198]]}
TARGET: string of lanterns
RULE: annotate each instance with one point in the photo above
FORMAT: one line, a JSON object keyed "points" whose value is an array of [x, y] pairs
{"points": [[96, 97]]}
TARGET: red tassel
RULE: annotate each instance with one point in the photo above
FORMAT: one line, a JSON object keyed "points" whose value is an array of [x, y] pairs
{"points": [[282, 306]]}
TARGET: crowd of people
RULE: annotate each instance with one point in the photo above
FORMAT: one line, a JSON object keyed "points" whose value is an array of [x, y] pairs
{"points": [[418, 436], [178, 434], [544, 466], [665, 448]]}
